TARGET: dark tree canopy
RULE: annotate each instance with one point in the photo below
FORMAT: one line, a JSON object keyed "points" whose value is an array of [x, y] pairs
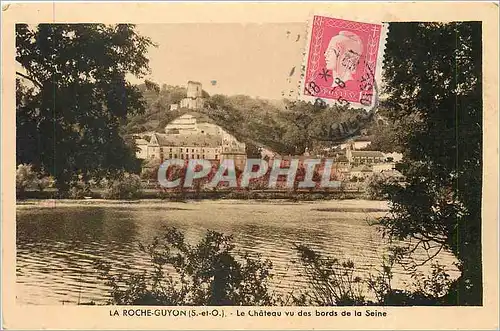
{"points": [[434, 82], [72, 94]]}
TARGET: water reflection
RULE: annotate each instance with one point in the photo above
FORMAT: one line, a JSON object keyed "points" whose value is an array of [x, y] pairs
{"points": [[57, 247]]}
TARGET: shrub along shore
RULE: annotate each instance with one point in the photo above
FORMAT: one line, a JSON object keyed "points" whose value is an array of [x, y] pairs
{"points": [[202, 195]]}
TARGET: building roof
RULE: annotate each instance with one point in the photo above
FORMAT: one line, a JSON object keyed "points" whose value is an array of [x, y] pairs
{"points": [[367, 153], [201, 140], [362, 168], [143, 135], [363, 138], [384, 164], [200, 118], [141, 141]]}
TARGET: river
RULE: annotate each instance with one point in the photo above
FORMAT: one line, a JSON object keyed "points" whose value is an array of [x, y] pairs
{"points": [[57, 247]]}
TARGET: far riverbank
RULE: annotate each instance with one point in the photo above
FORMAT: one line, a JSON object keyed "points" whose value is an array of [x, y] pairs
{"points": [[351, 206], [299, 195]]}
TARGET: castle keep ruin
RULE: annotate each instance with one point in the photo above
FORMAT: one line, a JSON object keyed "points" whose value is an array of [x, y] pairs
{"points": [[194, 99]]}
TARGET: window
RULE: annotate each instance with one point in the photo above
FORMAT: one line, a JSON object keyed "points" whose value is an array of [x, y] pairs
{"points": [[169, 156], [175, 156], [203, 156], [216, 156], [182, 155], [181, 150], [192, 156], [203, 150], [170, 149], [192, 150]]}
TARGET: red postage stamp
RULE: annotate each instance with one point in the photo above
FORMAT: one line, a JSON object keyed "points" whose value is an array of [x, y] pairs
{"points": [[343, 61]]}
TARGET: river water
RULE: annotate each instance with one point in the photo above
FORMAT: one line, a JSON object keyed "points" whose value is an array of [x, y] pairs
{"points": [[57, 247]]}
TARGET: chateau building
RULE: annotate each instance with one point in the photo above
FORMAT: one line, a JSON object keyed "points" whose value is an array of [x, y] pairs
{"points": [[364, 157], [165, 146], [361, 172], [386, 166], [191, 136]]}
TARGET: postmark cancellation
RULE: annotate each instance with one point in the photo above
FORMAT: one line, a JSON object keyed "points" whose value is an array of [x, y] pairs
{"points": [[342, 61]]}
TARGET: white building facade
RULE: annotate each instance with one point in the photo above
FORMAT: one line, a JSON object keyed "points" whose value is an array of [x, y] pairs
{"points": [[192, 136]]}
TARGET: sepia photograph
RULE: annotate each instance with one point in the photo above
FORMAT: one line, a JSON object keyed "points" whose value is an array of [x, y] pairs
{"points": [[331, 162], [95, 226]]}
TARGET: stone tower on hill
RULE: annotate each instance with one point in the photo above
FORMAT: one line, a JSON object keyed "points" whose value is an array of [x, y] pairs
{"points": [[194, 90], [194, 98]]}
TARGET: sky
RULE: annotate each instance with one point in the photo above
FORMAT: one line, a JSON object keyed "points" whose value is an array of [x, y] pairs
{"points": [[250, 59]]}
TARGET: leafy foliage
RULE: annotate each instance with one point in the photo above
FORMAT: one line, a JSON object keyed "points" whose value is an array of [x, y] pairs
{"points": [[79, 189], [209, 273], [128, 186], [331, 282], [25, 177], [150, 169], [157, 105], [433, 76], [376, 185], [386, 136], [212, 273], [72, 95], [28, 178], [286, 127]]}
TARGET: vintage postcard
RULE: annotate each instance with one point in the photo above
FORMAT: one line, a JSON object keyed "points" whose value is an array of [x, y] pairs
{"points": [[250, 166]]}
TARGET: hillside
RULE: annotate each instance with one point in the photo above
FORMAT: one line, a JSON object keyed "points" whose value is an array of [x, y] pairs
{"points": [[287, 127]]}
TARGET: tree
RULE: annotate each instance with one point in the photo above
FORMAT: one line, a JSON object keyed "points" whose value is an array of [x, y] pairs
{"points": [[150, 169], [252, 151], [433, 79], [303, 123], [44, 182], [385, 136], [25, 178], [72, 94], [127, 187]]}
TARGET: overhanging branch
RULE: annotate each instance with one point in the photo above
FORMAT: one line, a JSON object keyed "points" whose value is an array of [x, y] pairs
{"points": [[29, 78]]}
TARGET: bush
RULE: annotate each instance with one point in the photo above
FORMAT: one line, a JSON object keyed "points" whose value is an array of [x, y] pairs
{"points": [[26, 178], [150, 169], [128, 186], [212, 273], [45, 182], [377, 184], [331, 282], [78, 190], [209, 273]]}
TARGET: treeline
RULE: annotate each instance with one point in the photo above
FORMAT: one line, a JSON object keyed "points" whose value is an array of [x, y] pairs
{"points": [[157, 113], [127, 186], [287, 127]]}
